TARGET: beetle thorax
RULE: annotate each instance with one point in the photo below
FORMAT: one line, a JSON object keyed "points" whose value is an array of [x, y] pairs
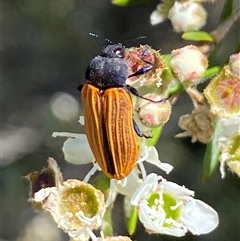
{"points": [[105, 72]]}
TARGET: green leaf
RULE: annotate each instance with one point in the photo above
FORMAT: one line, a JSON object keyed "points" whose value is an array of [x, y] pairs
{"points": [[198, 36], [211, 155], [131, 222], [211, 72], [101, 182], [156, 134], [125, 3], [227, 10]]}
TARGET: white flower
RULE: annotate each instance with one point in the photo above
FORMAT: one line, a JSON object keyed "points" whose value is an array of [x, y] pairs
{"points": [[76, 207], [230, 128], [228, 145], [167, 208]]}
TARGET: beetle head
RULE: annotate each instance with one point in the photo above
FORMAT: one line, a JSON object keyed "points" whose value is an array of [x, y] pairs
{"points": [[113, 51]]}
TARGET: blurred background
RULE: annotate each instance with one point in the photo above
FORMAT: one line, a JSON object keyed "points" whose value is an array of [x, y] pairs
{"points": [[45, 51]]}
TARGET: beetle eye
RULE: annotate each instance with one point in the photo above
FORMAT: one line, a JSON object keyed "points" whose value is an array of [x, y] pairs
{"points": [[119, 52]]}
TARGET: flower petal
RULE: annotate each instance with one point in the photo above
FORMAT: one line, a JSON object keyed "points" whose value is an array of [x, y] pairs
{"points": [[149, 185], [230, 126], [76, 148], [154, 160], [176, 190], [199, 217], [131, 184]]}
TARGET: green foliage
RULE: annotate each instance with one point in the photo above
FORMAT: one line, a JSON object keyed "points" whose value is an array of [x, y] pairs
{"points": [[101, 182], [131, 221], [156, 134], [198, 36], [211, 155], [126, 3], [211, 72]]}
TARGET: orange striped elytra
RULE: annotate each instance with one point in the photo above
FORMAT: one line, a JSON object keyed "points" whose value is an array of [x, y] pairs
{"points": [[108, 117]]}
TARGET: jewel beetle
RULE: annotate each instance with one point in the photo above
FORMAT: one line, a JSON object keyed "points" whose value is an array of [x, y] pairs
{"points": [[108, 111]]}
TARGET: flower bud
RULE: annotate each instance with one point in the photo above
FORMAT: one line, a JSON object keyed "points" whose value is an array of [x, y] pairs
{"points": [[187, 16], [188, 65], [234, 64], [153, 114]]}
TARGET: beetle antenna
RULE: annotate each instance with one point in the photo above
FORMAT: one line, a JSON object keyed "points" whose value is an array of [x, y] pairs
{"points": [[134, 40], [100, 40], [139, 37]]}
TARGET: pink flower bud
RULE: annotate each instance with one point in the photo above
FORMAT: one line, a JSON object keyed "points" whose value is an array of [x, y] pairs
{"points": [[153, 114], [188, 65]]}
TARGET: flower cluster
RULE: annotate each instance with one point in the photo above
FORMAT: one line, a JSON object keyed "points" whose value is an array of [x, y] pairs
{"points": [[162, 206], [223, 95], [127, 100]]}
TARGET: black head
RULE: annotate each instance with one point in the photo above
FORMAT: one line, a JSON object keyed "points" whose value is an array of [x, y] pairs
{"points": [[113, 51]]}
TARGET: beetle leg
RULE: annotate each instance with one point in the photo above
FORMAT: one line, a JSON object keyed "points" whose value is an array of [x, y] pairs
{"points": [[145, 52], [144, 69], [136, 93], [137, 130]]}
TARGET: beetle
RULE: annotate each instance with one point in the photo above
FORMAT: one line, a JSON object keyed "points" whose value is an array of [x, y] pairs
{"points": [[108, 111]]}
